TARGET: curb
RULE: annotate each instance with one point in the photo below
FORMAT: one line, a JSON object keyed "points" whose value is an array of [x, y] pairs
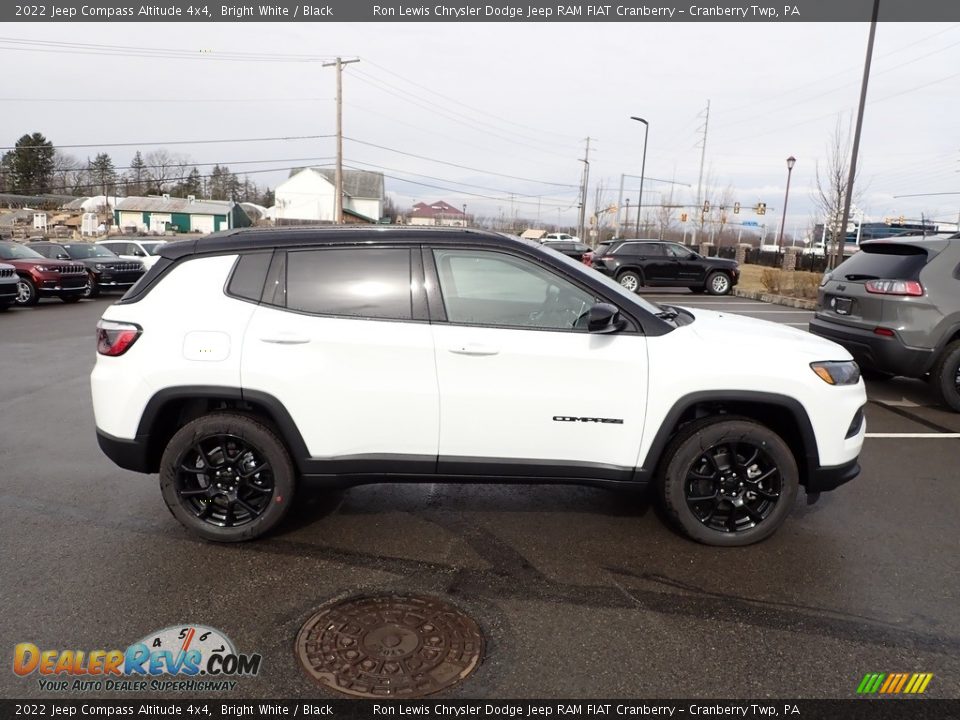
{"points": [[776, 299]]}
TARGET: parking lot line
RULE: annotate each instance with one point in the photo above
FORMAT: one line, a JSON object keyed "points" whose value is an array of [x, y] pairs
{"points": [[938, 436]]}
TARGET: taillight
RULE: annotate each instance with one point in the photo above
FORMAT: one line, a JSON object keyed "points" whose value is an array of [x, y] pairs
{"points": [[115, 338], [894, 287], [884, 332]]}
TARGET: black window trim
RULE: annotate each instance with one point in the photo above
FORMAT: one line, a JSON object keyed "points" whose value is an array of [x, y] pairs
{"points": [[233, 271]]}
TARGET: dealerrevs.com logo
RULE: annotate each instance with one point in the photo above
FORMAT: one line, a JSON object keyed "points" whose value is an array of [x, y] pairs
{"points": [[191, 658]]}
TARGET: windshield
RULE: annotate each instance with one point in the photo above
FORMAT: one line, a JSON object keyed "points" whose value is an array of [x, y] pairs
{"points": [[152, 248], [81, 251], [18, 252]]}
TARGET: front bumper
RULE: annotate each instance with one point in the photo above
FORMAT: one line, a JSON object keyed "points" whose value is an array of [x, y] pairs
{"points": [[824, 479], [877, 352], [8, 292]]}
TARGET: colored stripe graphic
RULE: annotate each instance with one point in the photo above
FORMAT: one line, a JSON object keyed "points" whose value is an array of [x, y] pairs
{"points": [[894, 683]]}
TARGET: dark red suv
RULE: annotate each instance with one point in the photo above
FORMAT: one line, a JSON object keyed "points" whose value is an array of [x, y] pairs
{"points": [[40, 277]]}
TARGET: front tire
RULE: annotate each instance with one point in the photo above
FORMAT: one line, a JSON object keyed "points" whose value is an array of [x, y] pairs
{"points": [[718, 283], [945, 376], [27, 294], [92, 289], [728, 482], [227, 477], [630, 281]]}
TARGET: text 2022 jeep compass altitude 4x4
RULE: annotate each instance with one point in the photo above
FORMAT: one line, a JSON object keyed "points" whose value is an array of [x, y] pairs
{"points": [[248, 361]]}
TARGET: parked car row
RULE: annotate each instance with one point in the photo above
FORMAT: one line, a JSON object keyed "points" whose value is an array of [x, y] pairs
{"points": [[70, 270]]}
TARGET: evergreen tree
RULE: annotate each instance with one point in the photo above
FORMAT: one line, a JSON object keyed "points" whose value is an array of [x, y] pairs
{"points": [[137, 176], [31, 167], [103, 176]]}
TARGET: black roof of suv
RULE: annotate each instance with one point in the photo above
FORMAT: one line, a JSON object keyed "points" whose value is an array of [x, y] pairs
{"points": [[895, 305]]}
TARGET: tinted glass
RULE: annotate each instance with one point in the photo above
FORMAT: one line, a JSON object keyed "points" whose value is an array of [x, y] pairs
{"points": [[886, 261], [79, 251], [678, 251], [489, 288], [46, 250], [358, 282], [13, 251], [152, 248], [249, 274]]}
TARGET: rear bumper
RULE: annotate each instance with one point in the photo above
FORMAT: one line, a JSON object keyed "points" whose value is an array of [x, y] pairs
{"points": [[887, 354], [128, 454], [824, 479]]}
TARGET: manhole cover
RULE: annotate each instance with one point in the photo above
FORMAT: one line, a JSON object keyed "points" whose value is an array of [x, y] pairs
{"points": [[389, 646]]}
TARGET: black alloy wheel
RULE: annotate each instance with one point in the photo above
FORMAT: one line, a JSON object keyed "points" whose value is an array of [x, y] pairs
{"points": [[945, 376], [227, 477], [733, 487], [728, 481]]}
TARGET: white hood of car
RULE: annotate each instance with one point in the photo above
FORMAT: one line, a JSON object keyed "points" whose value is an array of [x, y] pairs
{"points": [[721, 328]]}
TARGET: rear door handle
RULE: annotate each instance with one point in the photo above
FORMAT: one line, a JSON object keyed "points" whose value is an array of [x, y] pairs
{"points": [[474, 349], [285, 339]]}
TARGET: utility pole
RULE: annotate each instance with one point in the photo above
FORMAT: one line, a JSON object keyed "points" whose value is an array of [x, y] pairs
{"points": [[338, 176], [856, 138], [703, 157], [583, 191], [616, 225]]}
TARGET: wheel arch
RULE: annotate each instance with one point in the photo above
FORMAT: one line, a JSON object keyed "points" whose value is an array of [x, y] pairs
{"points": [[171, 408], [785, 415]]}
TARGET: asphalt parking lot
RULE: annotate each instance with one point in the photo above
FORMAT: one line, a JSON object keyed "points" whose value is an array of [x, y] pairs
{"points": [[579, 592]]}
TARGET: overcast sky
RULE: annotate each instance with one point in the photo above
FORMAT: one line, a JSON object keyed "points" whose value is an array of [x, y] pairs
{"points": [[516, 99]]}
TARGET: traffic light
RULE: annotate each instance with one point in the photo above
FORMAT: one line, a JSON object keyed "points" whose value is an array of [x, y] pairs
{"points": [[706, 206], [736, 208], [761, 208], [683, 217]]}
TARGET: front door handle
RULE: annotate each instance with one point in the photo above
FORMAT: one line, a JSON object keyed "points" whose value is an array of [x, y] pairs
{"points": [[474, 349]]}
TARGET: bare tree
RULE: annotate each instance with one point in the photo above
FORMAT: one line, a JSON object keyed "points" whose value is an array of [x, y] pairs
{"points": [[165, 168], [665, 213], [831, 192], [723, 211], [69, 174]]}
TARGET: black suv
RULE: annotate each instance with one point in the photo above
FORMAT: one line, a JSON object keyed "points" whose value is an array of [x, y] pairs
{"points": [[105, 270], [652, 263], [895, 305]]}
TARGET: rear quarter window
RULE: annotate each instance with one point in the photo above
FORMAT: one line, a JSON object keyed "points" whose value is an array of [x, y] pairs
{"points": [[249, 274], [885, 261]]}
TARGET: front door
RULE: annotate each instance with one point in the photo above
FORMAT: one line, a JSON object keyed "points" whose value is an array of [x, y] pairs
{"points": [[525, 390]]}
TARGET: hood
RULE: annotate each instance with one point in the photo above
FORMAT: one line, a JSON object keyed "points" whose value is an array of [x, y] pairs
{"points": [[721, 262], [763, 336], [42, 262]]}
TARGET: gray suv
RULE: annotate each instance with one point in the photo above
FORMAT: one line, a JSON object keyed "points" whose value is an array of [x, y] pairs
{"points": [[895, 306]]}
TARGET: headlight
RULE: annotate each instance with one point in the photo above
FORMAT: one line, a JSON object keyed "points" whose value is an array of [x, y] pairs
{"points": [[99, 266], [845, 372], [825, 279]]}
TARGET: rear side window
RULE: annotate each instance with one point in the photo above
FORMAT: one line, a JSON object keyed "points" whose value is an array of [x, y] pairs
{"points": [[356, 282], [248, 277], [888, 261]]}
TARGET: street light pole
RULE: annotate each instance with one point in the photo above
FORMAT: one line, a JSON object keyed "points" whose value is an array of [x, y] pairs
{"points": [[643, 168], [790, 163]]}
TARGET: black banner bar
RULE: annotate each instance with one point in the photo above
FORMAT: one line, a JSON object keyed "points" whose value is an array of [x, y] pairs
{"points": [[193, 709], [472, 11]]}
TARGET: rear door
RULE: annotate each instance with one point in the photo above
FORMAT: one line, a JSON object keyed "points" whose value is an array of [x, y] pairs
{"points": [[658, 266], [852, 294], [342, 340]]}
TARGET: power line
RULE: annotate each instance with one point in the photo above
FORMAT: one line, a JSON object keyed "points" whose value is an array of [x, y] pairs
{"points": [[64, 47], [461, 167]]}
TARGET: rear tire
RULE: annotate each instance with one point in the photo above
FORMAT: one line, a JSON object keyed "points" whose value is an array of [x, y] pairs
{"points": [[728, 482], [227, 477], [945, 376]]}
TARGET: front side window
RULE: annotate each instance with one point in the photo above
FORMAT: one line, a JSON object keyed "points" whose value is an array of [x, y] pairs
{"points": [[481, 287], [356, 282], [678, 251]]}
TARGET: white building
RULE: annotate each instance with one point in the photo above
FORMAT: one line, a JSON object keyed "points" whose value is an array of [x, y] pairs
{"points": [[308, 195]]}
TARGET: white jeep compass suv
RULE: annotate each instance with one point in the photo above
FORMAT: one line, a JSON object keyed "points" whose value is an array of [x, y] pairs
{"points": [[249, 361]]}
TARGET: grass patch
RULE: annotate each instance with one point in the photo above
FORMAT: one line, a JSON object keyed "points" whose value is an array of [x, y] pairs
{"points": [[777, 282]]}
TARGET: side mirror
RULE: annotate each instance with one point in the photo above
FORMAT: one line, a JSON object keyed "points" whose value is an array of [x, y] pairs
{"points": [[603, 318], [62, 256]]}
